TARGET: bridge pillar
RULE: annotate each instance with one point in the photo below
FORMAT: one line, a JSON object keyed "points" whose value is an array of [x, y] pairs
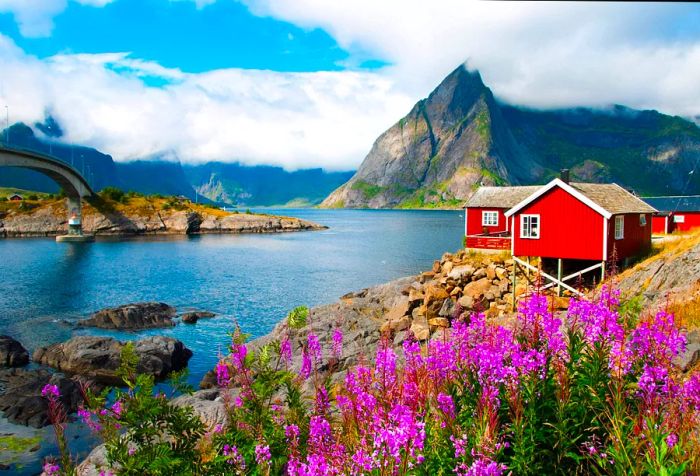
{"points": [[75, 216]]}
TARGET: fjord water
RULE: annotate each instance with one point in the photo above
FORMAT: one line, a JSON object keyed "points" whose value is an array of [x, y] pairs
{"points": [[252, 279]]}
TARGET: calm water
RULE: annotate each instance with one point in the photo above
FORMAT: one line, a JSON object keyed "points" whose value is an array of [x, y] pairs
{"points": [[254, 279]]}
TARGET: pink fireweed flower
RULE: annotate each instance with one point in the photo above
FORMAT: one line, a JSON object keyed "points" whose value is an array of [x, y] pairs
{"points": [[671, 440], [117, 408], [223, 378], [262, 454], [598, 320], [314, 347], [338, 343], [446, 405], [657, 341], [286, 350], [239, 352], [87, 417], [385, 366], [485, 467], [51, 469], [539, 328], [233, 456], [50, 391], [306, 366]]}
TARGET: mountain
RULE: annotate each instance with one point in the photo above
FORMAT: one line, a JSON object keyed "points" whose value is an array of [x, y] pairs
{"points": [[263, 185], [461, 137], [219, 182]]}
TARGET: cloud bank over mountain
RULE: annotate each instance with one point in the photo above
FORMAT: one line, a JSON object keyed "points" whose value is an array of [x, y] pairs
{"points": [[646, 56]]}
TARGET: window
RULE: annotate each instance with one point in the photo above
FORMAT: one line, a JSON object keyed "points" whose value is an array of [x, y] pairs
{"points": [[530, 226], [678, 218], [489, 218], [642, 220], [619, 227]]}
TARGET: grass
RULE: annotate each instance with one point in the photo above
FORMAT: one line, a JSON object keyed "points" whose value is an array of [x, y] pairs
{"points": [[369, 190], [17, 444]]}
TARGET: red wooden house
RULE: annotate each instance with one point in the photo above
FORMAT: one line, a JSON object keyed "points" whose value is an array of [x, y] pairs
{"points": [[583, 224], [679, 213]]}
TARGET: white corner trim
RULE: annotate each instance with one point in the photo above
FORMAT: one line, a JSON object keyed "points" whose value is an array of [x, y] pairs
{"points": [[567, 188], [605, 239]]}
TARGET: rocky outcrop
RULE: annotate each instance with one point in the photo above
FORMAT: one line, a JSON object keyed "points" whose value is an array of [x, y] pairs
{"points": [[193, 316], [21, 401], [12, 353], [98, 358], [131, 317], [51, 219]]}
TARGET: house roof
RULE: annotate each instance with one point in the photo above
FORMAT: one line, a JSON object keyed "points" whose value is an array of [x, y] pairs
{"points": [[500, 197], [678, 203], [606, 199]]}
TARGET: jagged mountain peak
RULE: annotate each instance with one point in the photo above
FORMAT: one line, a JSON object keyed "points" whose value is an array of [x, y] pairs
{"points": [[460, 137]]}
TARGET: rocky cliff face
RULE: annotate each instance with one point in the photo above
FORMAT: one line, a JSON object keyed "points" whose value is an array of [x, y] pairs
{"points": [[460, 137]]}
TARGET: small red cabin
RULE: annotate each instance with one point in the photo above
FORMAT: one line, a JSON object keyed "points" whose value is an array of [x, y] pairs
{"points": [[485, 223], [15, 197], [679, 213], [581, 221]]}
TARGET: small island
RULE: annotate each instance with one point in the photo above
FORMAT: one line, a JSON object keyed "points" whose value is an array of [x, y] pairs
{"points": [[114, 212]]}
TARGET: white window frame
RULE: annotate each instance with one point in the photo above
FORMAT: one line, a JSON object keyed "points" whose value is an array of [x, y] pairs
{"points": [[486, 218], [678, 218], [526, 230], [619, 227], [642, 219]]}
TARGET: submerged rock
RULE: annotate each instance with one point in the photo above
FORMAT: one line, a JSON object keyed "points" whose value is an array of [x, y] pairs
{"points": [[12, 353], [21, 400], [194, 316], [98, 358], [142, 315]]}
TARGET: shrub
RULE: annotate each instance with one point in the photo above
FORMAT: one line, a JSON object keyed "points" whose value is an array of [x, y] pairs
{"points": [[595, 394], [113, 193]]}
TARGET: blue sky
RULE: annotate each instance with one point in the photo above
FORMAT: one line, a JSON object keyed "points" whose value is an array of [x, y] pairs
{"points": [[306, 83], [180, 35]]}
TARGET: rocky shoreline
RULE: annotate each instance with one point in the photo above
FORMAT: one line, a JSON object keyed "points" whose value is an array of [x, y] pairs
{"points": [[51, 220]]}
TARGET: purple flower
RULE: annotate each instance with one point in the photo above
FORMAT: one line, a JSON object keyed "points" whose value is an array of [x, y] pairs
{"points": [[306, 366], [233, 456], [262, 454], [338, 343], [671, 440], [50, 391], [446, 405], [223, 377], [117, 408], [286, 350], [51, 469], [314, 347]]}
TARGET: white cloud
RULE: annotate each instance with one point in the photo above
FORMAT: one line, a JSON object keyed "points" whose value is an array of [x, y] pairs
{"points": [[258, 117], [35, 17], [536, 54], [539, 55]]}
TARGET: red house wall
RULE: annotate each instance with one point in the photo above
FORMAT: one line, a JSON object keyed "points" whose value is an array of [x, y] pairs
{"points": [[658, 224], [692, 220], [568, 228], [473, 221], [637, 238]]}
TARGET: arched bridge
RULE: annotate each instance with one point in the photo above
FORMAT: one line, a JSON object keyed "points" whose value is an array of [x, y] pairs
{"points": [[72, 182]]}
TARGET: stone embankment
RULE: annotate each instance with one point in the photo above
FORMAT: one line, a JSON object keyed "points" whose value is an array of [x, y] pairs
{"points": [[51, 219]]}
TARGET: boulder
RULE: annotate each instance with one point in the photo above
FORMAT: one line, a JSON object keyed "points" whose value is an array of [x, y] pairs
{"points": [[420, 328], [477, 288], [98, 358], [447, 309], [414, 295], [434, 297], [689, 358], [467, 302], [491, 272], [207, 405], [21, 400], [479, 274], [461, 273], [194, 316], [447, 267], [12, 353], [501, 273], [131, 317], [439, 322]]}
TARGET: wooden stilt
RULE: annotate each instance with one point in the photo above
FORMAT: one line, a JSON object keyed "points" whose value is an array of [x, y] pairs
{"points": [[515, 272], [559, 275], [602, 271]]}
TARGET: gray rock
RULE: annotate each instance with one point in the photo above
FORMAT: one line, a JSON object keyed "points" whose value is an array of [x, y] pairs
{"points": [[448, 307], [143, 315], [194, 316], [98, 358], [21, 400], [689, 358], [12, 353]]}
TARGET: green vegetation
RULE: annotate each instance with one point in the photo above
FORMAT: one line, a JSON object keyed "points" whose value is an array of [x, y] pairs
{"points": [[494, 177], [16, 444], [369, 190], [297, 316]]}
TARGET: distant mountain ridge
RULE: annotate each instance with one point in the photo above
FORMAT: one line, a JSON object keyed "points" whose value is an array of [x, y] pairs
{"points": [[460, 137], [233, 184]]}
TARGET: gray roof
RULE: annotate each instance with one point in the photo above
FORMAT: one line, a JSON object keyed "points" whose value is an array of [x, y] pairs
{"points": [[679, 203], [501, 197], [610, 197], [613, 198]]}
